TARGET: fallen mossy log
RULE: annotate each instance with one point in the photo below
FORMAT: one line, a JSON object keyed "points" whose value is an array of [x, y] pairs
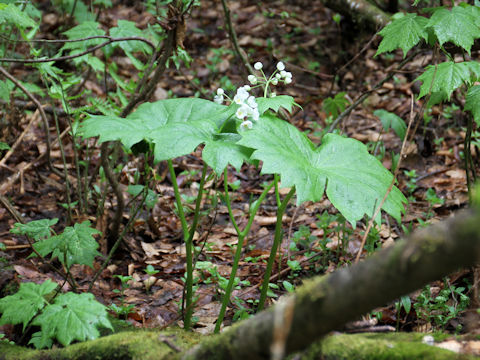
{"points": [[321, 305], [362, 13], [168, 345], [327, 303]]}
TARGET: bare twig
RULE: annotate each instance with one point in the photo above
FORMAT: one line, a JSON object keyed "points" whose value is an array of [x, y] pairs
{"points": [[365, 95], [42, 114], [74, 56], [379, 207]]}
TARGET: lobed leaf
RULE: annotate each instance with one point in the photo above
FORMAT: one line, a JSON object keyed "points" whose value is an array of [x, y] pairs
{"points": [[176, 127], [76, 245], [37, 229], [355, 181], [275, 103], [71, 317], [457, 25], [22, 306], [404, 32], [13, 15], [447, 77]]}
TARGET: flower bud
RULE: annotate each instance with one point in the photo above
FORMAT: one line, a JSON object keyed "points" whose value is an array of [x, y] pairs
{"points": [[280, 66], [258, 65]]}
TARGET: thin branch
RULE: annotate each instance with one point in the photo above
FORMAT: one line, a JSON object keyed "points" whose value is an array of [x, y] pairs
{"points": [[69, 57], [42, 114], [365, 95]]}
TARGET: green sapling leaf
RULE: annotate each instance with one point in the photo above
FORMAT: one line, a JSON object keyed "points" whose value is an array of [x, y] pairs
{"points": [[13, 15], [22, 306], [472, 102], [457, 25], [403, 32], [355, 181], [391, 120], [447, 77], [76, 244], [72, 317], [127, 28], [37, 229], [334, 106]]}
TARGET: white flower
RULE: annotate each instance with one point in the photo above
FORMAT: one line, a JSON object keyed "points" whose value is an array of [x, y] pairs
{"points": [[288, 74], [251, 102], [255, 114], [274, 81], [242, 112], [278, 76], [247, 124], [280, 66], [218, 99], [242, 95], [247, 87], [288, 80], [220, 91], [283, 73], [272, 95], [252, 79], [258, 65]]}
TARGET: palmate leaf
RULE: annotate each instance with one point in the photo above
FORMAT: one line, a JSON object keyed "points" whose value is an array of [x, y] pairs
{"points": [[176, 127], [447, 77], [37, 229], [404, 32], [334, 106], [457, 25], [22, 306], [472, 103], [71, 317], [76, 244], [275, 103], [355, 180]]}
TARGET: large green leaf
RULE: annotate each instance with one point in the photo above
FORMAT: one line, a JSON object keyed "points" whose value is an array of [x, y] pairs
{"points": [[22, 306], [447, 77], [37, 229], [472, 103], [275, 103], [176, 127], [457, 25], [71, 317], [76, 244], [355, 180], [403, 32]]}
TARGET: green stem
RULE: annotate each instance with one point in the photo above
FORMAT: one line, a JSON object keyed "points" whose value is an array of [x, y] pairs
{"points": [[273, 251], [277, 193], [189, 250], [238, 252], [187, 321]]}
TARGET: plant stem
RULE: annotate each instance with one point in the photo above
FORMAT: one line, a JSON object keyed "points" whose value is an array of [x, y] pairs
{"points": [[189, 250], [273, 251], [187, 322], [238, 252]]}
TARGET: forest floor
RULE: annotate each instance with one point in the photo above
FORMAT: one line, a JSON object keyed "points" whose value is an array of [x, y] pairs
{"points": [[326, 58]]}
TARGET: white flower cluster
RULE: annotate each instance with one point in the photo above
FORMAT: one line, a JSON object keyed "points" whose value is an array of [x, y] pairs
{"points": [[248, 107], [279, 75]]}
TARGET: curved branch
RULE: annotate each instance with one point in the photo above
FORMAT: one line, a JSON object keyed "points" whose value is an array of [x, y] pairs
{"points": [[88, 51]]}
